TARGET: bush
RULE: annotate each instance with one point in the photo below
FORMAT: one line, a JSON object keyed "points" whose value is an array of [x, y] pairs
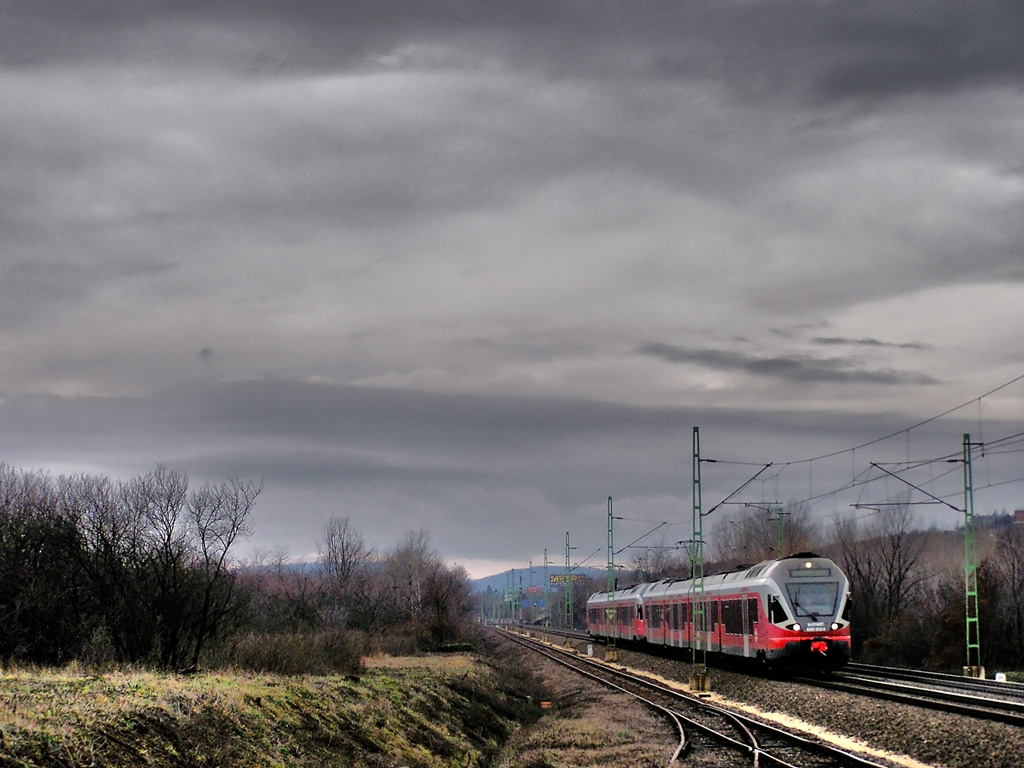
{"points": [[294, 653]]}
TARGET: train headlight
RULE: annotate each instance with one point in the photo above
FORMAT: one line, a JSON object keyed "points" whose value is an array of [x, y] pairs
{"points": [[796, 627], [835, 625]]}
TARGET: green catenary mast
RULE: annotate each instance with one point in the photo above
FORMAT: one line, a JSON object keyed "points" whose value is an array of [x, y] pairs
{"points": [[547, 591], [780, 544], [611, 653], [568, 586], [699, 678], [973, 667]]}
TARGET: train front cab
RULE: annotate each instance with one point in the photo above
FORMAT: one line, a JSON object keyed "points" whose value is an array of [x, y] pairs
{"points": [[807, 615]]}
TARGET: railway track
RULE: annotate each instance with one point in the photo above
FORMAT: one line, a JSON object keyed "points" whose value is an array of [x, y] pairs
{"points": [[947, 693], [978, 686], [968, 697], [706, 728]]}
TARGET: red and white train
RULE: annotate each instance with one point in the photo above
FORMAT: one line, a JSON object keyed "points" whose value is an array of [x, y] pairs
{"points": [[785, 613]]}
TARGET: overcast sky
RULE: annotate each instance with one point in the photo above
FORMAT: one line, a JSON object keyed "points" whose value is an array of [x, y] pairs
{"points": [[475, 266]]}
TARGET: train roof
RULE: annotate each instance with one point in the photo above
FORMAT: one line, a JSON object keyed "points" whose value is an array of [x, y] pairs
{"points": [[758, 573], [636, 591]]}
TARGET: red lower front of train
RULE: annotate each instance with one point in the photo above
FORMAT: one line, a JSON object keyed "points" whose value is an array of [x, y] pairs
{"points": [[827, 649]]}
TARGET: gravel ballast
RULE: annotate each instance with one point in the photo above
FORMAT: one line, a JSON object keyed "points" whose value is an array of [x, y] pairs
{"points": [[925, 736]]}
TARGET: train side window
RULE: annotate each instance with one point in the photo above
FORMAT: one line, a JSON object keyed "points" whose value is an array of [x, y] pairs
{"points": [[639, 611], [732, 617], [776, 612], [846, 609]]}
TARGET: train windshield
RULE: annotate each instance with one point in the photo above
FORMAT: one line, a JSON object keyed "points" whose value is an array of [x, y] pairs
{"points": [[814, 600]]}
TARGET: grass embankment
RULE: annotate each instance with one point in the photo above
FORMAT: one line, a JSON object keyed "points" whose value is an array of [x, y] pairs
{"points": [[448, 710]]}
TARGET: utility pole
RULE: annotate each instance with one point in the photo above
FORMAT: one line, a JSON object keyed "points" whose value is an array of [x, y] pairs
{"points": [[611, 652], [513, 605], [973, 667], [547, 590], [568, 586], [531, 606], [699, 682], [506, 603], [520, 596]]}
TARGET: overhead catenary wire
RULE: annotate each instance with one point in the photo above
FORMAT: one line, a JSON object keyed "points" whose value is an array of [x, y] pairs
{"points": [[916, 488], [1006, 445], [748, 482], [641, 538], [918, 425]]}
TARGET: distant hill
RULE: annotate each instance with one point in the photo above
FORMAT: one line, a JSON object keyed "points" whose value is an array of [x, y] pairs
{"points": [[499, 582]]}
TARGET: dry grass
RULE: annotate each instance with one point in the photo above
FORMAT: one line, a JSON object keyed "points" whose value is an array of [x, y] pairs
{"points": [[589, 725], [439, 712], [422, 712], [447, 662]]}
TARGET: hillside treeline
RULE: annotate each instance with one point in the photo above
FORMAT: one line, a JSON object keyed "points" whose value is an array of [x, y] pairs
{"points": [[144, 571]]}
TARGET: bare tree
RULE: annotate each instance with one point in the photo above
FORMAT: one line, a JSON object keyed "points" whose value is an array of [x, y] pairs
{"points": [[661, 560], [447, 603], [1009, 562], [343, 557], [156, 503], [407, 566], [881, 562], [342, 551], [113, 562], [143, 564], [42, 601], [753, 534], [219, 516]]}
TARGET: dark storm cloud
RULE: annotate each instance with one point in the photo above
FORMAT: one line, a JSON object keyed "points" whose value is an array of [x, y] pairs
{"points": [[832, 341], [927, 47], [798, 368], [424, 168], [466, 217], [833, 50], [488, 474]]}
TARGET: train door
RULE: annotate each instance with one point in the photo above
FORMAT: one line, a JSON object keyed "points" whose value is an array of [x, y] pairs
{"points": [[687, 625], [751, 619], [715, 626], [746, 624]]}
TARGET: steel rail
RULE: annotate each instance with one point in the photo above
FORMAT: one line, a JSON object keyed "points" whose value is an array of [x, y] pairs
{"points": [[746, 725], [862, 679], [674, 716], [968, 705], [1008, 690]]}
